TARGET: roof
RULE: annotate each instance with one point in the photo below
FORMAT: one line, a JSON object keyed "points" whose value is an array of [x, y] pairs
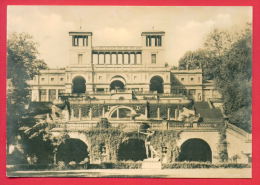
{"points": [[153, 33]]}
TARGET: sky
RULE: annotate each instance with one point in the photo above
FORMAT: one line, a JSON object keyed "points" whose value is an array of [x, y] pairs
{"points": [[186, 27]]}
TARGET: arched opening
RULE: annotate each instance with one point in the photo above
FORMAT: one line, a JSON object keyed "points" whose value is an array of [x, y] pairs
{"points": [[72, 150], [117, 85], [156, 84], [195, 150], [132, 149], [121, 113], [79, 85]]}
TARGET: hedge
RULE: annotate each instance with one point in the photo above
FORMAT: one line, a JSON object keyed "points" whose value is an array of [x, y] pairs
{"points": [[178, 165]]}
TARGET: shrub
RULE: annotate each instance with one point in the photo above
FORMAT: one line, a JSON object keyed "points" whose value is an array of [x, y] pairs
{"points": [[61, 165], [72, 164], [178, 165], [117, 165]]}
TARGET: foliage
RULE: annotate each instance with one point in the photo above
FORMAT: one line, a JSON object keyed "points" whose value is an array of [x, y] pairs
{"points": [[23, 64], [103, 123], [118, 165], [193, 164], [38, 141], [226, 58], [166, 139], [222, 145]]}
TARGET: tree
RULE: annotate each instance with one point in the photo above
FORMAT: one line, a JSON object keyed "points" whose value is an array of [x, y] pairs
{"points": [[226, 58], [22, 65]]}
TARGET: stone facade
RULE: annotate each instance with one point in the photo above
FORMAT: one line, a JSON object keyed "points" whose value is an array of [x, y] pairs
{"points": [[135, 68]]}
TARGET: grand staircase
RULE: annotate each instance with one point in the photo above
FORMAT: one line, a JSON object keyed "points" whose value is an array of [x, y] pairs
{"points": [[207, 112]]}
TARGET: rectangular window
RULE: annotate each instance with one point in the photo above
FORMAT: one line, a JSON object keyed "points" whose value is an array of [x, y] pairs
{"points": [[80, 58], [100, 89], [153, 58], [43, 95], [192, 91], [61, 91], [52, 94]]}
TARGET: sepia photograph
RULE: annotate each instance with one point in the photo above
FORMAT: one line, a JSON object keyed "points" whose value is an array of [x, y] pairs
{"points": [[129, 91]]}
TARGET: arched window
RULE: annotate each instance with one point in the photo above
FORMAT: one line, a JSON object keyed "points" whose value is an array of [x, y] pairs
{"points": [[79, 85], [117, 85], [156, 84]]}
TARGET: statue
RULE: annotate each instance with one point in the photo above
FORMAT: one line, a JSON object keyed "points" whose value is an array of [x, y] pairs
{"points": [[150, 151]]}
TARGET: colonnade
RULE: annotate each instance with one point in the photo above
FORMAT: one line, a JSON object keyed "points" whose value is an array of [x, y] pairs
{"points": [[124, 57]]}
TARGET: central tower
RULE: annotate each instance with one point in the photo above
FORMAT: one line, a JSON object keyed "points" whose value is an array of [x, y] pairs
{"points": [[80, 48], [153, 48]]}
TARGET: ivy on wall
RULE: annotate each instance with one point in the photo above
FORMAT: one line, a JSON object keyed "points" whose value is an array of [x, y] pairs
{"points": [[222, 146], [111, 138]]}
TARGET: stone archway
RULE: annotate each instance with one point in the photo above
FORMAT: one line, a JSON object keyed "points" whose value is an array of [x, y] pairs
{"points": [[117, 82], [195, 150], [132, 149], [156, 84], [72, 150], [78, 85], [117, 85]]}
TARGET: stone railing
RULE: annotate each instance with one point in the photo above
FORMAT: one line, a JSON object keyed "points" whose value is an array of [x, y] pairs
{"points": [[134, 125], [116, 48], [239, 131]]}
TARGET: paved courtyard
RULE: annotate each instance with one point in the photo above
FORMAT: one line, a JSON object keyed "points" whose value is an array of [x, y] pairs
{"points": [[140, 173]]}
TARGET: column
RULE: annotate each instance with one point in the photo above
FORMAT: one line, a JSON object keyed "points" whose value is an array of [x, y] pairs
{"points": [[104, 58], [146, 112], [72, 114], [168, 114], [110, 58], [116, 58], [176, 115], [158, 113], [79, 113], [103, 111], [117, 113], [57, 94], [47, 94], [90, 113]]}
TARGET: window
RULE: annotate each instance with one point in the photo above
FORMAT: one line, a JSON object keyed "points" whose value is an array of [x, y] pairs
{"points": [[153, 58], [100, 77], [182, 79], [52, 79], [52, 94], [43, 95], [100, 89], [192, 91], [42, 79], [80, 58], [61, 91], [61, 79], [191, 79]]}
